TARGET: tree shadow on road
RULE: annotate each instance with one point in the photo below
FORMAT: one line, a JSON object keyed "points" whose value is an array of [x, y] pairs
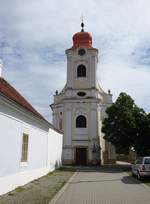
{"points": [[106, 168], [130, 180], [133, 180], [94, 181]]}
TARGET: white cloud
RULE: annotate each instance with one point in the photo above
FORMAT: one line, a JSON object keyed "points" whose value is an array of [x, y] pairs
{"points": [[34, 35], [119, 77]]}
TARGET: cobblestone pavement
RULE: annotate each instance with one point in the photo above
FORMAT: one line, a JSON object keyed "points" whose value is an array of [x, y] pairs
{"points": [[104, 186]]}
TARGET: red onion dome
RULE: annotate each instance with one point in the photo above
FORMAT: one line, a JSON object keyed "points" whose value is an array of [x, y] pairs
{"points": [[82, 39]]}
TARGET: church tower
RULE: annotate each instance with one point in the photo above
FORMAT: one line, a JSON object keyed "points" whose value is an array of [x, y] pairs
{"points": [[78, 110]]}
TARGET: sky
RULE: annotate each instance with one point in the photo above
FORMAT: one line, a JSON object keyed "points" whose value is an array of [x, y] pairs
{"points": [[35, 34]]}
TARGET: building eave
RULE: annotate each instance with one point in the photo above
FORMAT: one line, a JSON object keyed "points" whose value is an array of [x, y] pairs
{"points": [[27, 113]]}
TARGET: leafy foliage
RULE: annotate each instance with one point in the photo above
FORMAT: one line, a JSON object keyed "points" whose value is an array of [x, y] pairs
{"points": [[127, 126]]}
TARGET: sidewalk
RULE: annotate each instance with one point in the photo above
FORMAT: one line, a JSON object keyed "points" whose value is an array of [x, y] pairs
{"points": [[104, 186]]}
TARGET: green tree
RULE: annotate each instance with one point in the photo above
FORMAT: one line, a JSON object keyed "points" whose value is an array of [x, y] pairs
{"points": [[127, 126], [142, 136]]}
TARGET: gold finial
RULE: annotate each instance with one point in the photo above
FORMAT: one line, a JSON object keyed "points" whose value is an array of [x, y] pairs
{"points": [[56, 92], [82, 24]]}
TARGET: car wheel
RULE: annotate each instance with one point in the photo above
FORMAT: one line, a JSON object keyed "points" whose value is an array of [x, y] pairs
{"points": [[139, 176]]}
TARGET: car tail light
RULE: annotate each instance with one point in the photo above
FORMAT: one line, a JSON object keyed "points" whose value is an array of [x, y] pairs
{"points": [[142, 168]]}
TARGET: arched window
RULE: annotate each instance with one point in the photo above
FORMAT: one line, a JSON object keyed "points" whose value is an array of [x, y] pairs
{"points": [[81, 121], [81, 71]]}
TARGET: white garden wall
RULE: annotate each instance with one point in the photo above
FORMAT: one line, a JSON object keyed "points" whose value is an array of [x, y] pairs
{"points": [[44, 150], [55, 142]]}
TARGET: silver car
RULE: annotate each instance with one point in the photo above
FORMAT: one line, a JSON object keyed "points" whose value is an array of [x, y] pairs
{"points": [[141, 168]]}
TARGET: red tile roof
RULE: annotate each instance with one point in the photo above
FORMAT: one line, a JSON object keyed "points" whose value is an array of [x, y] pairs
{"points": [[82, 39], [13, 94]]}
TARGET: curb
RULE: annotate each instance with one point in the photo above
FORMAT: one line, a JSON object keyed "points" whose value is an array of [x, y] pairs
{"points": [[61, 191]]}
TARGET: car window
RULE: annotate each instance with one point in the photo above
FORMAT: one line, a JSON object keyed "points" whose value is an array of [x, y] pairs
{"points": [[139, 161], [147, 161]]}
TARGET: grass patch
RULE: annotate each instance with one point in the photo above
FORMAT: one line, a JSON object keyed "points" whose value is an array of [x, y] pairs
{"points": [[10, 194], [57, 188], [146, 181], [67, 168], [39, 191], [148, 184], [19, 189], [129, 173]]}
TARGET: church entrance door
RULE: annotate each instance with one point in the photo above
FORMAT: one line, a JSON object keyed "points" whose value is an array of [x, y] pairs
{"points": [[81, 156]]}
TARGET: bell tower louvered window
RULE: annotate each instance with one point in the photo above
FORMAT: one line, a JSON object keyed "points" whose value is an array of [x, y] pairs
{"points": [[81, 71]]}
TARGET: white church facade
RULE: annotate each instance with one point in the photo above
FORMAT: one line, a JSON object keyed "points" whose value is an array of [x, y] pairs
{"points": [[79, 108]]}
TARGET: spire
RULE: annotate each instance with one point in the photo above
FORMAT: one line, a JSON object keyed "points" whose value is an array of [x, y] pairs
{"points": [[82, 38], [1, 67], [82, 24]]}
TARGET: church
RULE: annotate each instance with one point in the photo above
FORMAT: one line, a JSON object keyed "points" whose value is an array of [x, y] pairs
{"points": [[75, 138], [79, 109]]}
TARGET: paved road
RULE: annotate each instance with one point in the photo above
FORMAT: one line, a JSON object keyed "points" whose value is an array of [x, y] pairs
{"points": [[101, 186]]}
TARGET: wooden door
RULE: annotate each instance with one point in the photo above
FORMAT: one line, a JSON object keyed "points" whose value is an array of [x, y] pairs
{"points": [[81, 156]]}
